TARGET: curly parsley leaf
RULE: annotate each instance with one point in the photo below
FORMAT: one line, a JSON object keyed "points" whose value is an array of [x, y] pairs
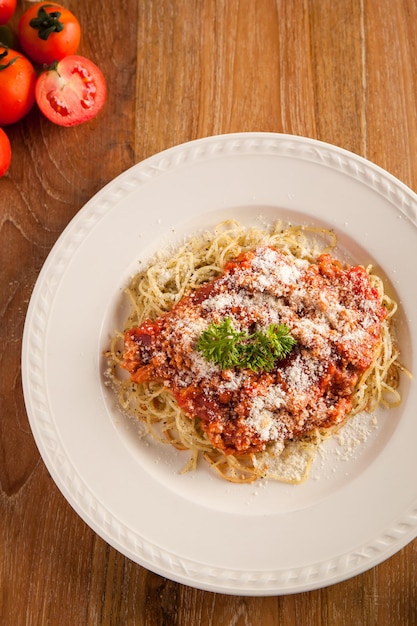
{"points": [[227, 347], [220, 343], [280, 340]]}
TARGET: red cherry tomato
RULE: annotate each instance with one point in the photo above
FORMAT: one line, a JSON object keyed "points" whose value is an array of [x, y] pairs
{"points": [[7, 8], [48, 32], [17, 86], [71, 92], [5, 152]]}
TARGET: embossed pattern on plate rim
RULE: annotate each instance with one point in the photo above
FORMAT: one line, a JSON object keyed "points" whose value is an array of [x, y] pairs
{"points": [[76, 491]]}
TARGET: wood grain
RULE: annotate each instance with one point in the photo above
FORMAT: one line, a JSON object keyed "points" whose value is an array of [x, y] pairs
{"points": [[342, 71]]}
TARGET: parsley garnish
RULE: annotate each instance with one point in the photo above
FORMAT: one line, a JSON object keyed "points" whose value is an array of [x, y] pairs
{"points": [[227, 347]]}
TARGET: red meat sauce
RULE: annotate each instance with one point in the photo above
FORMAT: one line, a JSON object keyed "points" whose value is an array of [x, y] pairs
{"points": [[332, 312]]}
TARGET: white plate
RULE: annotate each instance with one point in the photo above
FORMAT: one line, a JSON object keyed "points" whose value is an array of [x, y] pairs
{"points": [[357, 508]]}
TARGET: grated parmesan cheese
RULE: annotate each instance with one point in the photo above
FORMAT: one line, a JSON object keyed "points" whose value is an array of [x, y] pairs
{"points": [[331, 312]]}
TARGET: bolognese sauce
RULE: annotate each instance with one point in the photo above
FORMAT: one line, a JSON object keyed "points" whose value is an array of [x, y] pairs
{"points": [[331, 311]]}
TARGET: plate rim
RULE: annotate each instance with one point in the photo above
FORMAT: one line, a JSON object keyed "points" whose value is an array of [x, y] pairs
{"points": [[403, 531]]}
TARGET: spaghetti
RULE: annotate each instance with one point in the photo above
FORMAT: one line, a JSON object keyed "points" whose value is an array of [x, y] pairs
{"points": [[248, 424]]}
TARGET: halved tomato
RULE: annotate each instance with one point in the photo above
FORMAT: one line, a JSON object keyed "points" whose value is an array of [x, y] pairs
{"points": [[71, 91]]}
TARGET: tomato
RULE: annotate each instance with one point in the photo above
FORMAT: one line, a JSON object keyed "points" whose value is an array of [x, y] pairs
{"points": [[7, 8], [48, 32], [5, 152], [17, 86], [71, 92]]}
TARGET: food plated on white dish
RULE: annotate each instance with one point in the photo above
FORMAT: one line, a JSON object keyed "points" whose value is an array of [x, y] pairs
{"points": [[131, 489]]}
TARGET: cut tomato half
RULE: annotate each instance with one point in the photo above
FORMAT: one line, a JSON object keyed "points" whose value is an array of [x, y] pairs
{"points": [[71, 91]]}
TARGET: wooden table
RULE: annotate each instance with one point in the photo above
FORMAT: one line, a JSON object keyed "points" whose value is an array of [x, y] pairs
{"points": [[342, 71]]}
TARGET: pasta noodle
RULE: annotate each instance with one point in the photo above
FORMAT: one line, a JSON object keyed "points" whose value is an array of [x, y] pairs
{"points": [[157, 289]]}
